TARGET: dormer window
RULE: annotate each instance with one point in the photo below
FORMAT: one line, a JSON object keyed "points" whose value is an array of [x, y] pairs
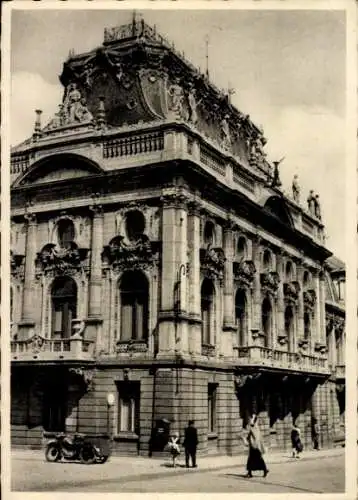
{"points": [[341, 285], [289, 271], [66, 233], [306, 280], [135, 225]]}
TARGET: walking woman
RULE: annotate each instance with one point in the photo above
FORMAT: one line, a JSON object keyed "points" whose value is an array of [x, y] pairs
{"points": [[255, 460], [297, 445]]}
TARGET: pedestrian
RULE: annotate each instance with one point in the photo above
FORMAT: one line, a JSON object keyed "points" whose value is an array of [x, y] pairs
{"points": [[315, 433], [297, 445], [190, 443], [255, 459], [173, 446]]}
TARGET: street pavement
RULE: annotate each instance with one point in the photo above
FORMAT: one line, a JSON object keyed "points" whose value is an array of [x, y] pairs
{"points": [[316, 471]]}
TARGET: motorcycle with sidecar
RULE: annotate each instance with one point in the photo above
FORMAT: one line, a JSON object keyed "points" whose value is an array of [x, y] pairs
{"points": [[87, 449]]}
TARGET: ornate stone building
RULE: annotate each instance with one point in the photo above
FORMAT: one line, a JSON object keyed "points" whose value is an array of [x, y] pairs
{"points": [[154, 256]]}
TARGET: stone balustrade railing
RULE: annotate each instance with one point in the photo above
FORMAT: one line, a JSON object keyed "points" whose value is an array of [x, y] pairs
{"points": [[43, 349], [263, 356]]}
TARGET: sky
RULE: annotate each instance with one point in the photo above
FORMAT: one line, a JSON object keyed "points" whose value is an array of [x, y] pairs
{"points": [[287, 69]]}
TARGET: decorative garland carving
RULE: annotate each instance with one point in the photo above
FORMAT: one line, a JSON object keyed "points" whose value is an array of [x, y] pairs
{"points": [[309, 298], [244, 272], [86, 374], [291, 291], [131, 346], [212, 261], [59, 261], [17, 265], [138, 254], [269, 282]]}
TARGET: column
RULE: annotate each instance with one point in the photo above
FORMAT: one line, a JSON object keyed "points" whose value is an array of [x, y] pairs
{"points": [[281, 333], [27, 324], [194, 305], [300, 303], [317, 310], [171, 253], [256, 291], [229, 317], [95, 283], [322, 297]]}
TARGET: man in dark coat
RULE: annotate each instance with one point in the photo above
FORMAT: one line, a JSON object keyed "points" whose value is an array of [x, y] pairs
{"points": [[190, 443]]}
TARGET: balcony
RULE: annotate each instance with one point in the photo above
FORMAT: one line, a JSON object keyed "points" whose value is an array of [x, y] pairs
{"points": [[256, 356], [39, 348]]}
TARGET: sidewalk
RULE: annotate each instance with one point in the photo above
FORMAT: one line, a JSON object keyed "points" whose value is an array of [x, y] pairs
{"points": [[136, 467]]}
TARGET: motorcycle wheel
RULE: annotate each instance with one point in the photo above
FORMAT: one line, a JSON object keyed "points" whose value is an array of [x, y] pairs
{"points": [[52, 453], [102, 459], [87, 455]]}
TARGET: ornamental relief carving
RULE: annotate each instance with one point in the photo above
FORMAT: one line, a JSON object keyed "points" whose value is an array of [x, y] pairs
{"points": [[309, 298], [269, 282], [138, 254], [244, 272], [212, 262], [291, 291], [58, 261], [17, 265]]}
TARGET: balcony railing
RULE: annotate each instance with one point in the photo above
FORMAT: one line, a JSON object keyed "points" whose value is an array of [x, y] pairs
{"points": [[42, 349], [265, 357]]}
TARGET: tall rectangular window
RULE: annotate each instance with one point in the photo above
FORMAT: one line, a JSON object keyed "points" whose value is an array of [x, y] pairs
{"points": [[128, 407], [212, 394]]}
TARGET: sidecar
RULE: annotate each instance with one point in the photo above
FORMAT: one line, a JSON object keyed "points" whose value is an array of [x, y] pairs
{"points": [[102, 446]]}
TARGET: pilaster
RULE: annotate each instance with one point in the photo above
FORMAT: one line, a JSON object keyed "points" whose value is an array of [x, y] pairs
{"points": [[28, 312]]}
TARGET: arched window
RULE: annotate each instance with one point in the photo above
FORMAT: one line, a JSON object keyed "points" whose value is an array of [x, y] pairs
{"points": [[207, 311], [267, 261], [241, 316], [134, 293], [289, 271], [307, 324], [266, 316], [135, 224], [209, 233], [289, 325], [66, 232], [241, 248], [64, 306]]}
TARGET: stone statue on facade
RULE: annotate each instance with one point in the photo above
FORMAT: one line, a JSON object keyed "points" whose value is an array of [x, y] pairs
{"points": [[74, 106], [311, 202], [317, 207], [296, 189], [225, 132], [193, 104], [176, 95]]}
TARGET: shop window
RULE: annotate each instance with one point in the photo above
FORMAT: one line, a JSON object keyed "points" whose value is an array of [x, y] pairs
{"points": [[128, 407], [135, 225], [134, 306], [66, 233], [207, 312], [64, 305], [241, 316], [212, 400]]}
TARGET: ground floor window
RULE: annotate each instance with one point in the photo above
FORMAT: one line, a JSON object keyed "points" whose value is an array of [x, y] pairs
{"points": [[212, 400], [128, 407]]}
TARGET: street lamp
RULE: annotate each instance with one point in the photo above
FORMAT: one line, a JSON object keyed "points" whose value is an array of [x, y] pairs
{"points": [[110, 402]]}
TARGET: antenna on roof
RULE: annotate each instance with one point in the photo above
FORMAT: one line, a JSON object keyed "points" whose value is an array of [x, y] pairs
{"points": [[230, 92], [134, 19]]}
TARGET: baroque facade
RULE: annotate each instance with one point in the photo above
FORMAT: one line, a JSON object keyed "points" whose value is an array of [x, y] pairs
{"points": [[155, 257]]}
